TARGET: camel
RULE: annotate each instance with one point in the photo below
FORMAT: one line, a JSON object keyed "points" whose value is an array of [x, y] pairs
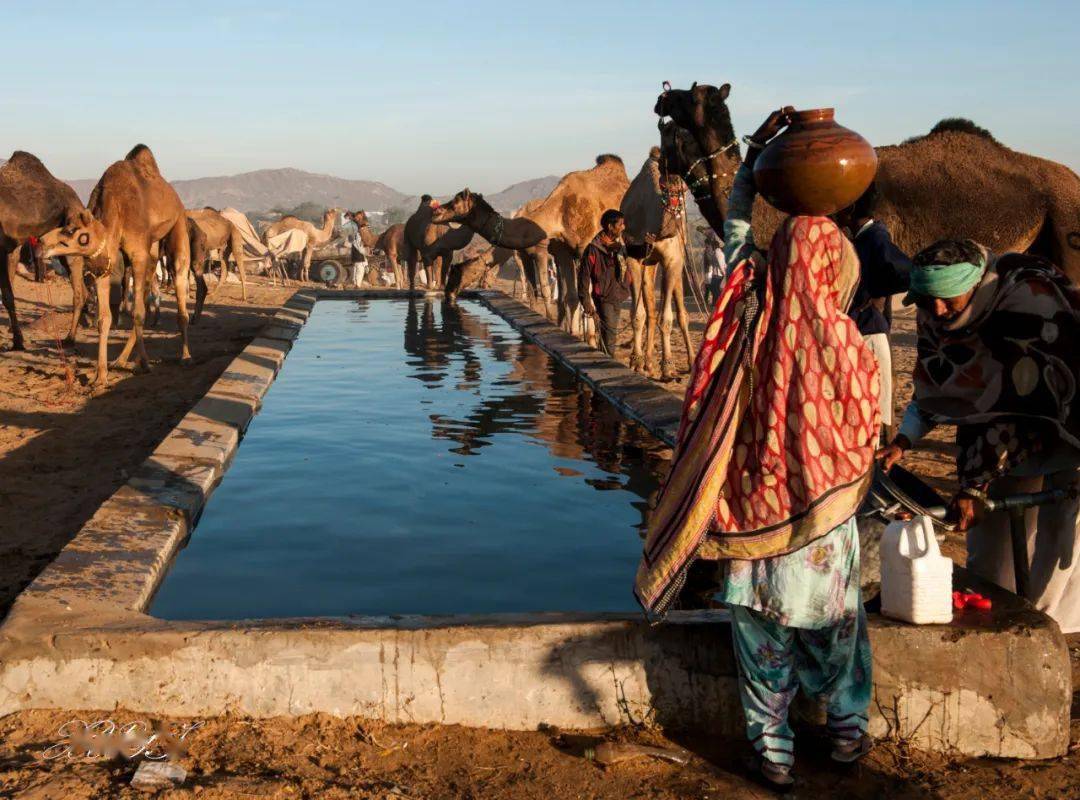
{"points": [[955, 182], [569, 218], [472, 210], [517, 232], [656, 237], [218, 233], [316, 237], [391, 242], [479, 269], [132, 207], [419, 235], [33, 202]]}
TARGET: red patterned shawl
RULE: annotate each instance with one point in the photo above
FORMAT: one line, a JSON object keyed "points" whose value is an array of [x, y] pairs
{"points": [[776, 444]]}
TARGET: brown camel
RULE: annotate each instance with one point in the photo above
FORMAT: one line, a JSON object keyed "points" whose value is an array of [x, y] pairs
{"points": [[477, 270], [420, 235], [33, 202], [656, 237], [316, 237], [133, 207], [218, 233], [392, 242], [956, 181], [570, 216]]}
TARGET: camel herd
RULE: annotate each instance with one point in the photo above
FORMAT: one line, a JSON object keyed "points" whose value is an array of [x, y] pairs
{"points": [[955, 181]]}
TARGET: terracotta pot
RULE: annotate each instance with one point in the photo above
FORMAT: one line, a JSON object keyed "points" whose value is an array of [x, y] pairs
{"points": [[815, 166]]}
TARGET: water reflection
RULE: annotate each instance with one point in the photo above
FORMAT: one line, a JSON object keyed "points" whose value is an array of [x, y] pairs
{"points": [[537, 398]]}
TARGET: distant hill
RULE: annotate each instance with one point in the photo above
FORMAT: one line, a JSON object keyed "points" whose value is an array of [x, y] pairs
{"points": [[270, 188], [287, 187], [519, 194]]}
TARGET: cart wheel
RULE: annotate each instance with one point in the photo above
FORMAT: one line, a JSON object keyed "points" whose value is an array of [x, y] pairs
{"points": [[328, 272]]}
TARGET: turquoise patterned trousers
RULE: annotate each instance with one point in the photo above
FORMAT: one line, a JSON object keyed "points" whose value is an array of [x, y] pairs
{"points": [[831, 664]]}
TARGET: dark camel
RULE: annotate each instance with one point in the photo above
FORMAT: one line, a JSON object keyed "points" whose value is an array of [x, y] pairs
{"points": [[956, 182], [392, 242], [420, 235], [132, 208], [33, 202]]}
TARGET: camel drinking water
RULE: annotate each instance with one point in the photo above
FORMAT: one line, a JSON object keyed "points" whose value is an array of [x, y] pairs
{"points": [[132, 207], [570, 219]]}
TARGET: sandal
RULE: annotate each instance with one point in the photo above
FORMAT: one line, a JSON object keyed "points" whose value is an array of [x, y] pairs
{"points": [[851, 750], [776, 777]]}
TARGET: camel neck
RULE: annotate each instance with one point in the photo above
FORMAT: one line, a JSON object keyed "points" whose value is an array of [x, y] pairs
{"points": [[491, 225]]}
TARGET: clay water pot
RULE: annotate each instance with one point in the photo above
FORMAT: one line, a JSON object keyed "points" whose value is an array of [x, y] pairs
{"points": [[815, 166]]}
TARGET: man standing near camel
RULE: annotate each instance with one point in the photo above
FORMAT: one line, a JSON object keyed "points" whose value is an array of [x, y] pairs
{"points": [[603, 278]]}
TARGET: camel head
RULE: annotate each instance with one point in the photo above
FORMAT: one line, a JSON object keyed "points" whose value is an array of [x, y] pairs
{"points": [[457, 209], [695, 108], [678, 149], [359, 218], [81, 235]]}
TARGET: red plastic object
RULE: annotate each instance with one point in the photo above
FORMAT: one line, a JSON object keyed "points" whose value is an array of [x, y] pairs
{"points": [[972, 600]]}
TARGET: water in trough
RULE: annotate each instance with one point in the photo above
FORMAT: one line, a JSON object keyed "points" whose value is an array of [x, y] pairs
{"points": [[418, 458]]}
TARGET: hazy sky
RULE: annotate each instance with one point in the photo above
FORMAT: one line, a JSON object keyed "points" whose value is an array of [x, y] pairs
{"points": [[434, 96]]}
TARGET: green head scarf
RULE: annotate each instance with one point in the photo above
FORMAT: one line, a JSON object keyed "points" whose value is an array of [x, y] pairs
{"points": [[944, 280]]}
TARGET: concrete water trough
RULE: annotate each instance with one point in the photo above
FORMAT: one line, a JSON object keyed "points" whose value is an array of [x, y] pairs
{"points": [[79, 636]]}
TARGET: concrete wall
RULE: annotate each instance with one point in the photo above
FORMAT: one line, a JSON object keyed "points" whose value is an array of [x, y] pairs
{"points": [[78, 638]]}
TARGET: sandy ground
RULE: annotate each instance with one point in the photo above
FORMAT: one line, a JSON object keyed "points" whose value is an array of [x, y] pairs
{"points": [[65, 450]]}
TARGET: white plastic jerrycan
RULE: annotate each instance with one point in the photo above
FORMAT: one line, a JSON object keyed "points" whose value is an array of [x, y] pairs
{"points": [[916, 580]]}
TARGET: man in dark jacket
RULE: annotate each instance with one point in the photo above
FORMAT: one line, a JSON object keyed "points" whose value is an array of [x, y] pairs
{"points": [[884, 270], [603, 280]]}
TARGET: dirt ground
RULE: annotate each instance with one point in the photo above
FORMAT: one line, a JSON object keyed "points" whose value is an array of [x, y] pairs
{"points": [[66, 450]]}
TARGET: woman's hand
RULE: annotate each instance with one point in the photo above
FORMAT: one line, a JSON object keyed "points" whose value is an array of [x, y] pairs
{"points": [[893, 452], [776, 121], [963, 511]]}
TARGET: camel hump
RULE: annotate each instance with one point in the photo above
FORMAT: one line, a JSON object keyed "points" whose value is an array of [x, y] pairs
{"points": [[607, 158], [654, 152], [22, 160], [141, 156], [961, 125]]}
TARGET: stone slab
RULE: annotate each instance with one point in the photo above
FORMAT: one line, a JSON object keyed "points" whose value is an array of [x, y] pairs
{"points": [[234, 410], [201, 439], [245, 376], [287, 333], [178, 483], [268, 352]]}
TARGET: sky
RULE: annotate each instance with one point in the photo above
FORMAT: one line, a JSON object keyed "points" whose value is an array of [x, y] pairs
{"points": [[431, 97]]}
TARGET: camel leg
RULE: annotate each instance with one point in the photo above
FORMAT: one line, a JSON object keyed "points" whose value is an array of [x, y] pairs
{"points": [[684, 322], [569, 301], [236, 249], [413, 257], [637, 312], [650, 318], [7, 293], [305, 270], [103, 285], [201, 292], [179, 248], [139, 263], [78, 295]]}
